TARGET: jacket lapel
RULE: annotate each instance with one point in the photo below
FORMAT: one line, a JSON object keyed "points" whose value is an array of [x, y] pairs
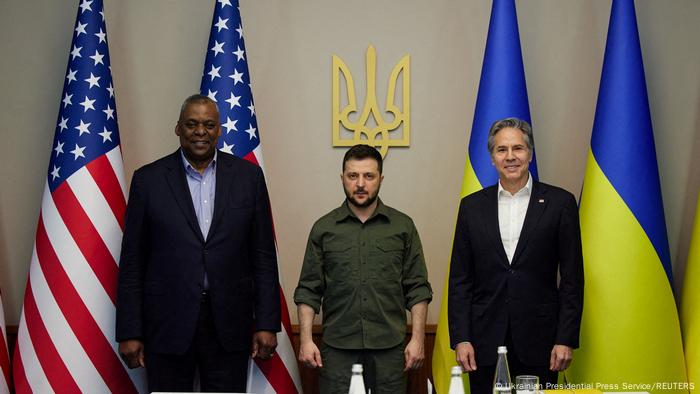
{"points": [[538, 202], [225, 174], [175, 176], [491, 220]]}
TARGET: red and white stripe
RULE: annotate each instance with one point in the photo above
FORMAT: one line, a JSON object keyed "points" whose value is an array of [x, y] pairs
{"points": [[4, 354], [280, 374], [66, 335]]}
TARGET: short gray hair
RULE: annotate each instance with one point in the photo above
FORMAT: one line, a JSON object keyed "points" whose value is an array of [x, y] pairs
{"points": [[199, 99], [513, 123]]}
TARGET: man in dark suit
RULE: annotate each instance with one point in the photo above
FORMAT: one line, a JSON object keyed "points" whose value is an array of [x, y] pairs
{"points": [[198, 280], [510, 242]]}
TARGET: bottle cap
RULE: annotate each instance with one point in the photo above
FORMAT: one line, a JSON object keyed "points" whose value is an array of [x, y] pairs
{"points": [[502, 349], [357, 368], [456, 370]]}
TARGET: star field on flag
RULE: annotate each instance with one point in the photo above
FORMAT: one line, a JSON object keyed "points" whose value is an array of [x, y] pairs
{"points": [[87, 122], [226, 80]]}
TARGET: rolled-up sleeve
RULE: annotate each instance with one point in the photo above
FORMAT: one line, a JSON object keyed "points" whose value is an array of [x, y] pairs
{"points": [[415, 283], [312, 285]]}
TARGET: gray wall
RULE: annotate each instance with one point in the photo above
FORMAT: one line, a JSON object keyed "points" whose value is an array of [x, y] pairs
{"points": [[157, 49]]}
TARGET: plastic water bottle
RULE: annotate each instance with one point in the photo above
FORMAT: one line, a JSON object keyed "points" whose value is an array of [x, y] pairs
{"points": [[456, 384], [501, 381], [357, 384]]}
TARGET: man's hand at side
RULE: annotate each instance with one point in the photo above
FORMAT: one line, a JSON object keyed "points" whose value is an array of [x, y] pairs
{"points": [[131, 352], [414, 353], [561, 357], [264, 344], [465, 356], [309, 355]]}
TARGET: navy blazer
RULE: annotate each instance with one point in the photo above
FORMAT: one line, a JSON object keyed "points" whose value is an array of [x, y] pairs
{"points": [[164, 257], [487, 293]]}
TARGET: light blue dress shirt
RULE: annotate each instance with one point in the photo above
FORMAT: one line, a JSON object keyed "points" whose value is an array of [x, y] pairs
{"points": [[202, 190]]}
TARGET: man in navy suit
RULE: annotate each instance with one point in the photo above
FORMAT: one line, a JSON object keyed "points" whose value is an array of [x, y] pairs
{"points": [[511, 242], [198, 282]]}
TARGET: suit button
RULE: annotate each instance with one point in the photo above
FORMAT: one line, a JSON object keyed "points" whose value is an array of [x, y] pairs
{"points": [[512, 271], [206, 252]]}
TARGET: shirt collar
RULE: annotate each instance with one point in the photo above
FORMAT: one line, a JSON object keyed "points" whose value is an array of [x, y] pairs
{"points": [[527, 189], [188, 166], [343, 212]]}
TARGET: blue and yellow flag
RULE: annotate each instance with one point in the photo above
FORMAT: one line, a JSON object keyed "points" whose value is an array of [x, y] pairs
{"points": [[690, 302], [502, 94], [630, 334]]}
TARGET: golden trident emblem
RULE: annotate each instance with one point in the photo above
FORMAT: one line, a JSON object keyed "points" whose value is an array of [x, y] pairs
{"points": [[376, 134]]}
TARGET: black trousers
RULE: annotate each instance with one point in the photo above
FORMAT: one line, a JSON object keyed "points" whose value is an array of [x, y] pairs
{"points": [[219, 370], [481, 380]]}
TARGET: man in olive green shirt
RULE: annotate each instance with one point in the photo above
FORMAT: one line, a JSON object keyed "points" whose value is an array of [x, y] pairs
{"points": [[364, 265]]}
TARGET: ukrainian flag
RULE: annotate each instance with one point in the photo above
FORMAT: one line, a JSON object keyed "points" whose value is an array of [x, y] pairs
{"points": [[502, 94], [630, 333], [690, 302]]}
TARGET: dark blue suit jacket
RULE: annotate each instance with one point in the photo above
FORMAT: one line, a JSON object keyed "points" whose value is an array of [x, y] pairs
{"points": [[487, 293], [164, 257]]}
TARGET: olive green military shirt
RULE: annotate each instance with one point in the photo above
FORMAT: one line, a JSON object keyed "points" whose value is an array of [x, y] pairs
{"points": [[364, 275]]}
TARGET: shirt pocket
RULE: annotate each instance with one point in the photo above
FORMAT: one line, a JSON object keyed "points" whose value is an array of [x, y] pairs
{"points": [[386, 260], [337, 261]]}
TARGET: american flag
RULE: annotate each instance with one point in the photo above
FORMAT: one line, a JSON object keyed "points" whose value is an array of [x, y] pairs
{"points": [[4, 355], [65, 341], [226, 80]]}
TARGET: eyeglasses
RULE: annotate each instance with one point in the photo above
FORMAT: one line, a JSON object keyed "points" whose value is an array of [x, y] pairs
{"points": [[192, 125]]}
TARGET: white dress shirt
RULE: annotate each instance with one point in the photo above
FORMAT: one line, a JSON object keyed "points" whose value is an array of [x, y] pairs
{"points": [[511, 215]]}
